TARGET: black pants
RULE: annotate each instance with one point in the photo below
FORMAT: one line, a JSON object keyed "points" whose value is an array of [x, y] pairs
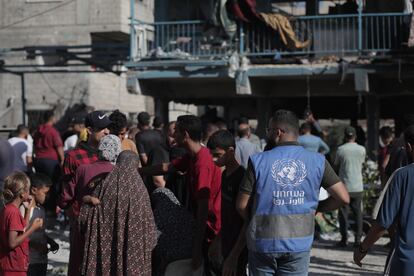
{"points": [[356, 206], [37, 270]]}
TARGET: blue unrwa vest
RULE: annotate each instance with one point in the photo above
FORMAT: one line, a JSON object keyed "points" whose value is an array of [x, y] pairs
{"points": [[288, 179]]}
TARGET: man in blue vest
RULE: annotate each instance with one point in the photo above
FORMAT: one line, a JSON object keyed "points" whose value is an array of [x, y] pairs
{"points": [[279, 198]]}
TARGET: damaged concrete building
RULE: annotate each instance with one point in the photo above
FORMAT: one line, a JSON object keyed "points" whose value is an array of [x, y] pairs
{"points": [[343, 59], [53, 43]]}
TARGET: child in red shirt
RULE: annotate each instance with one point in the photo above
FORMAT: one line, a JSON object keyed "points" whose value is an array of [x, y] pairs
{"points": [[14, 237]]}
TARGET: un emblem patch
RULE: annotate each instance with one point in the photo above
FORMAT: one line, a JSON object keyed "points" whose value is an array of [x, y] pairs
{"points": [[288, 172]]}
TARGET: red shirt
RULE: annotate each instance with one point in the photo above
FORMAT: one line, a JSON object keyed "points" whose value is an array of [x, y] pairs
{"points": [[79, 185], [82, 154], [18, 258], [204, 180], [46, 141]]}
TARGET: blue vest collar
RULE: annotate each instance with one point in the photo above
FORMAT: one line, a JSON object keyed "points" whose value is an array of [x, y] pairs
{"points": [[290, 143]]}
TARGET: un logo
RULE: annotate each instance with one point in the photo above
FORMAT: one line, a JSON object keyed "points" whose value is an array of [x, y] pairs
{"points": [[289, 172]]}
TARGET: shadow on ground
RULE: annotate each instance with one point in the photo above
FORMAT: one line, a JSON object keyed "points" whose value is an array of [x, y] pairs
{"points": [[327, 259]]}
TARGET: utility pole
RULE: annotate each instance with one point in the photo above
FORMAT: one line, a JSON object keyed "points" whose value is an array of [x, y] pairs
{"points": [[23, 88]]}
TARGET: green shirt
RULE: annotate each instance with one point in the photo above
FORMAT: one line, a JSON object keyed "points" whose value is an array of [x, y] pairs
{"points": [[349, 159]]}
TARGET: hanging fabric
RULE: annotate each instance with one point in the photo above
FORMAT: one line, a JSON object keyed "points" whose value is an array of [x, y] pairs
{"points": [[281, 24], [244, 10], [228, 24]]}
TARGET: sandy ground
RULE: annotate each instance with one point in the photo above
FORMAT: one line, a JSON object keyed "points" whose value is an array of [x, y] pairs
{"points": [[326, 259], [58, 262]]}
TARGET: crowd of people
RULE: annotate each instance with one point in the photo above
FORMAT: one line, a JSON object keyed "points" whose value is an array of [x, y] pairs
{"points": [[194, 198]]}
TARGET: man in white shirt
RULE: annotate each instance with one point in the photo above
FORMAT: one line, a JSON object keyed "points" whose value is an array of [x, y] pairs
{"points": [[22, 149], [78, 124]]}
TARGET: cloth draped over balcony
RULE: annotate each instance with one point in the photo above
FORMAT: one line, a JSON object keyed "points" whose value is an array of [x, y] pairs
{"points": [[281, 24], [245, 10], [214, 12]]}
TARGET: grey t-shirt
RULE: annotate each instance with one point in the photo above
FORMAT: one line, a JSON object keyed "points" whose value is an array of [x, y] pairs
{"points": [[38, 237], [245, 149], [349, 159]]}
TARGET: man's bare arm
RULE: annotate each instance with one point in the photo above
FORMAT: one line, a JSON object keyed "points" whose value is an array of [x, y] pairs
{"points": [[143, 158], [158, 181], [61, 155], [242, 204], [376, 232]]}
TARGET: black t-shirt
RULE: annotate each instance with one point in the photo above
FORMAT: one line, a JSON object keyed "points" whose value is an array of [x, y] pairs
{"points": [[149, 139], [177, 182], [176, 152], [156, 156], [231, 220], [398, 156]]}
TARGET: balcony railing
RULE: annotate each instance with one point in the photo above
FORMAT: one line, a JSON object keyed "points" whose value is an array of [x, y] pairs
{"points": [[340, 35]]}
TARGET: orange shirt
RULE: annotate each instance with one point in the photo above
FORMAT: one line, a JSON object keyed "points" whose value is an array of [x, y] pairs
{"points": [[128, 144]]}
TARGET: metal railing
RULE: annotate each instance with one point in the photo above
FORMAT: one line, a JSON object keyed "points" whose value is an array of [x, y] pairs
{"points": [[340, 35], [333, 35], [182, 39]]}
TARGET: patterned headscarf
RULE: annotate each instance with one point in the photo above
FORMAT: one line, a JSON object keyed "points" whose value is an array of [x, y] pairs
{"points": [[175, 227], [109, 148]]}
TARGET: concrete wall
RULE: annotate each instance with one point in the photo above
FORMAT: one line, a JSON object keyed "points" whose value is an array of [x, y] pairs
{"points": [[94, 15], [65, 22], [109, 92]]}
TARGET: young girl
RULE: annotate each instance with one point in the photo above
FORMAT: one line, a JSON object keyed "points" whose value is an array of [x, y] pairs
{"points": [[14, 241]]}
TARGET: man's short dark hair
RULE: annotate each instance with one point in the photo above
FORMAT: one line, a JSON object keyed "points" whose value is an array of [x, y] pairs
{"points": [[40, 180], [48, 115], [209, 129], [243, 132], [409, 135], [190, 124], [21, 128], [286, 120], [306, 127], [386, 132], [144, 118], [157, 122], [221, 124], [243, 120], [119, 121], [171, 123], [222, 139]]}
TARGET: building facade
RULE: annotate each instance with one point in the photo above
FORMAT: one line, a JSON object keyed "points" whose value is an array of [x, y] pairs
{"points": [[344, 60], [62, 23]]}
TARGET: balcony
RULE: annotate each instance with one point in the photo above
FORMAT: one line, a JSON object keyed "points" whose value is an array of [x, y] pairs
{"points": [[329, 35]]}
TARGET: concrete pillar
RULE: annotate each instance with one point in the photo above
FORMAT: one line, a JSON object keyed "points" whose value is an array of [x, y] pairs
{"points": [[372, 107], [161, 109], [264, 111]]}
